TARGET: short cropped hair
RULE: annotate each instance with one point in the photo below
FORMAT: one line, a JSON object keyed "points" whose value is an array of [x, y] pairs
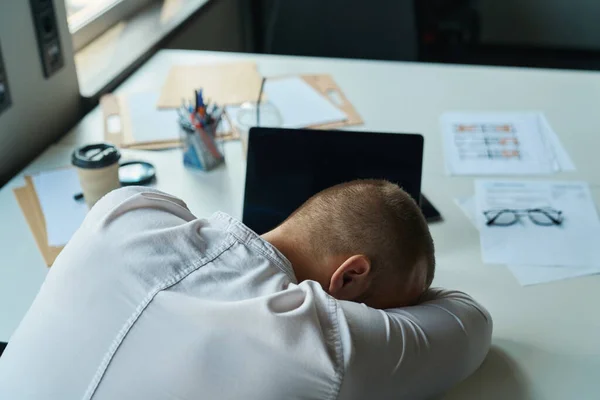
{"points": [[371, 217]]}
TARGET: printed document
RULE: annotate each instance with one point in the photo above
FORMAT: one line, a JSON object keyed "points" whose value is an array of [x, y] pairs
{"points": [[502, 144]]}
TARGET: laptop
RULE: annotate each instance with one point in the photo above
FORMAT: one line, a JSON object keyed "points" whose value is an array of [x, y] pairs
{"points": [[285, 167]]}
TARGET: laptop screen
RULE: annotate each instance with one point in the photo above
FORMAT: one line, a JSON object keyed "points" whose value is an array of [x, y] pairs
{"points": [[287, 166]]}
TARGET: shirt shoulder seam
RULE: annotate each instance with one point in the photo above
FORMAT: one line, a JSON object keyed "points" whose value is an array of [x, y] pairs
{"points": [[274, 260], [250, 238], [336, 333]]}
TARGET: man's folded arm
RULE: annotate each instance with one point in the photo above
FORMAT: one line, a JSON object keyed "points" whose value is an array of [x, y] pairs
{"points": [[414, 352], [129, 198]]}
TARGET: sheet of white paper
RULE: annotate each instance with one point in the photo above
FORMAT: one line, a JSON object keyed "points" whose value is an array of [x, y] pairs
{"points": [[113, 124], [63, 214], [495, 144], [536, 274], [573, 243], [224, 126], [299, 104], [149, 124], [530, 274], [232, 113], [561, 156]]}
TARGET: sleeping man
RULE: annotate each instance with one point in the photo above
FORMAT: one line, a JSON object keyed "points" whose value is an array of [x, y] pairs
{"points": [[149, 302]]}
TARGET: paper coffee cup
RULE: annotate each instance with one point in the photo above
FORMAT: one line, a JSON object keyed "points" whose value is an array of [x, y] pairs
{"points": [[98, 170]]}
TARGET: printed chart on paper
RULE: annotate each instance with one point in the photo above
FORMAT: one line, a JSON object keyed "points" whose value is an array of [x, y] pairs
{"points": [[497, 144]]}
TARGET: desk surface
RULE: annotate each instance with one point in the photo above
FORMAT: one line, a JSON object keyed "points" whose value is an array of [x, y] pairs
{"points": [[546, 338]]}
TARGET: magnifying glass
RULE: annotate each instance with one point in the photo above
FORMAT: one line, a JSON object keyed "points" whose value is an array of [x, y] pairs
{"points": [[132, 173]]}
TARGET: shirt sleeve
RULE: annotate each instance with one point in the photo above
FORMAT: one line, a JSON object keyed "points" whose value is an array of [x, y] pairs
{"points": [[414, 352], [121, 198], [131, 242]]}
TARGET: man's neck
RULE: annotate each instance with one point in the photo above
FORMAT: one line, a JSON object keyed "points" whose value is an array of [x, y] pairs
{"points": [[294, 248]]}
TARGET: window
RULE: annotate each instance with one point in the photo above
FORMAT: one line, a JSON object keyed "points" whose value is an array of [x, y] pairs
{"points": [[81, 11], [90, 18]]}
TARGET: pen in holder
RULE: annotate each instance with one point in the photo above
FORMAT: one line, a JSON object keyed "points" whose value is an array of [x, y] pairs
{"points": [[198, 127]]}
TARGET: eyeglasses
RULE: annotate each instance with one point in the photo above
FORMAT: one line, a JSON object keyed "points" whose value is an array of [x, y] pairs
{"points": [[539, 216]]}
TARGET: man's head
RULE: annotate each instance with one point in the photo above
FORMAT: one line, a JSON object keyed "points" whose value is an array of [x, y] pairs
{"points": [[364, 241]]}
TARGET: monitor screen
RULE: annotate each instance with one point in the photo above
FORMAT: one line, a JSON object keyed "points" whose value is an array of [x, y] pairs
{"points": [[287, 166]]}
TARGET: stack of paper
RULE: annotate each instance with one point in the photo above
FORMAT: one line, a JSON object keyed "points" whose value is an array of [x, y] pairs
{"points": [[298, 105], [223, 84], [134, 122], [502, 144], [535, 253], [62, 213], [149, 124]]}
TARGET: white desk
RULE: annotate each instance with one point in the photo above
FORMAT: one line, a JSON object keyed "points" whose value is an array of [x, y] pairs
{"points": [[546, 338]]}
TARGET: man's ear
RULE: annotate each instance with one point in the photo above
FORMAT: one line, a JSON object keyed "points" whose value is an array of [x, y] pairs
{"points": [[351, 280]]}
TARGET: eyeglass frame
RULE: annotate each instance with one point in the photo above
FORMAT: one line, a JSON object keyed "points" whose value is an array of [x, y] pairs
{"points": [[518, 213]]}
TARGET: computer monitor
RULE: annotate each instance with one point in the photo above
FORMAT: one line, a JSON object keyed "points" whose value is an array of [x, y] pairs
{"points": [[287, 166]]}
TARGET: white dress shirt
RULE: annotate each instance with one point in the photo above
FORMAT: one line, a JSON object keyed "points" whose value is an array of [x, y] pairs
{"points": [[149, 302]]}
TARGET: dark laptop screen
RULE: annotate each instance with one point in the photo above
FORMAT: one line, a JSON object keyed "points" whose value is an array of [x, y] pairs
{"points": [[287, 166]]}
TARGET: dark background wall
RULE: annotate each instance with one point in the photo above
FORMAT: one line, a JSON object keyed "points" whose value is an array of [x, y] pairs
{"points": [[548, 23], [221, 26], [337, 28], [539, 33]]}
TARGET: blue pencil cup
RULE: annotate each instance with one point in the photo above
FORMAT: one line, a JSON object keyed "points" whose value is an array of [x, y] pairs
{"points": [[200, 149]]}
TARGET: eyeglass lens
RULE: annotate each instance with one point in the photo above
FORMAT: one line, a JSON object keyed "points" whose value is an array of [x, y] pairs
{"points": [[546, 217], [503, 218]]}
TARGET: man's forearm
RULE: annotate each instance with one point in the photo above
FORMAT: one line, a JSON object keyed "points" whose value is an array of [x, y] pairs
{"points": [[419, 351]]}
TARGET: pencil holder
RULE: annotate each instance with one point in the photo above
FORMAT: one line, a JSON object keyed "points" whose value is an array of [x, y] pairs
{"points": [[200, 149]]}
